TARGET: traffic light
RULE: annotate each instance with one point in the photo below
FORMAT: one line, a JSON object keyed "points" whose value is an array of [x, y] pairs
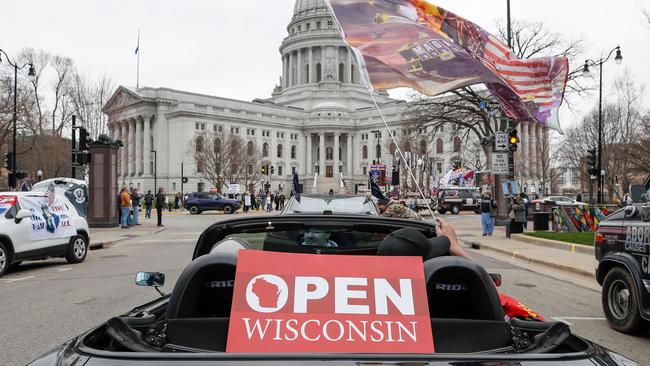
{"points": [[591, 157], [82, 158], [513, 140], [84, 139], [272, 169], [9, 157], [265, 169], [185, 180]]}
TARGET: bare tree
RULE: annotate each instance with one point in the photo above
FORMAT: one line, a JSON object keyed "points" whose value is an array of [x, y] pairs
{"points": [[88, 98], [624, 141], [225, 158]]}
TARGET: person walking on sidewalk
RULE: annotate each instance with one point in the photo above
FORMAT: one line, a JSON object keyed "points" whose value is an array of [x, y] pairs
{"points": [[488, 212], [160, 203], [125, 207], [135, 203], [148, 204], [516, 215]]}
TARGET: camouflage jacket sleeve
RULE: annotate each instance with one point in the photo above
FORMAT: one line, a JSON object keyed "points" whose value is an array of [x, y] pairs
{"points": [[399, 211]]}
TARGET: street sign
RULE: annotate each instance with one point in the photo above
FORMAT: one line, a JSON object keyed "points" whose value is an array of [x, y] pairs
{"points": [[489, 105], [500, 141], [500, 163]]}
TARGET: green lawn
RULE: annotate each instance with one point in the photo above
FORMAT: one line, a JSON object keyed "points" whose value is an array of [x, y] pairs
{"points": [[576, 238]]}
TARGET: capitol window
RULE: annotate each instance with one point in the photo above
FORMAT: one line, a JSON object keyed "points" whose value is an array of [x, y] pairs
{"points": [[329, 153], [293, 152], [330, 24], [265, 150], [317, 25], [364, 153], [457, 143], [279, 151], [439, 146]]}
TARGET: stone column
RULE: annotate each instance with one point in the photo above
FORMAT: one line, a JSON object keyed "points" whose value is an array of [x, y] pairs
{"points": [[337, 157], [132, 145], [309, 162], [525, 141], [532, 150], [146, 153], [321, 155], [336, 65], [299, 65], [348, 66], [356, 154], [348, 157], [322, 62], [125, 148], [291, 65], [138, 146], [538, 147], [312, 72], [284, 71]]}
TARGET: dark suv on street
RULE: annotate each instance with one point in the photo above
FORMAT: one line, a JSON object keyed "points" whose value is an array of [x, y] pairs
{"points": [[622, 246], [459, 199], [208, 201]]}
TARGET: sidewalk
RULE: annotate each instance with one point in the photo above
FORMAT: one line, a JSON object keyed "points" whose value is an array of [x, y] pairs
{"points": [[104, 238], [578, 259]]}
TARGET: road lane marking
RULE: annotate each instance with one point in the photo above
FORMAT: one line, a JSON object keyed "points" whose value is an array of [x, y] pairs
{"points": [[565, 319], [63, 269], [18, 279]]}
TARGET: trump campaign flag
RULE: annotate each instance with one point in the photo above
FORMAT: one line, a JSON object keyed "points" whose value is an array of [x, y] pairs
{"points": [[413, 43]]}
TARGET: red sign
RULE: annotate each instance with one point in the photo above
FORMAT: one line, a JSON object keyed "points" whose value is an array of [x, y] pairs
{"points": [[329, 303]]}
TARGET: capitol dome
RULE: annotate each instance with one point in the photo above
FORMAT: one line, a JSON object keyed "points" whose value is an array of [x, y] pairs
{"points": [[304, 5]]}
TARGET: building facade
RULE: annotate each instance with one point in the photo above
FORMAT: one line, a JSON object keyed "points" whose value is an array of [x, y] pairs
{"points": [[320, 121]]}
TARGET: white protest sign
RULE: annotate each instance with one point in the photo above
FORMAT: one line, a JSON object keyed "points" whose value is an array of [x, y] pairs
{"points": [[48, 220], [233, 189]]}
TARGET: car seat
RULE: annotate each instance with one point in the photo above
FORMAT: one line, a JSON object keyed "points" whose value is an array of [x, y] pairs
{"points": [[458, 288], [464, 306], [198, 312]]}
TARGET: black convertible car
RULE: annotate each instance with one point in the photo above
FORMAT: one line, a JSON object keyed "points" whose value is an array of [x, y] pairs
{"points": [[190, 325]]}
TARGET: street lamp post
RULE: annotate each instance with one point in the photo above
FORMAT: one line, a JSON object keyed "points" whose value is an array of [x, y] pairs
{"points": [[585, 71], [155, 171], [31, 73]]}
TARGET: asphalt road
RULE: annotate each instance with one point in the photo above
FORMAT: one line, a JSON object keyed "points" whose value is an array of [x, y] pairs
{"points": [[48, 302]]}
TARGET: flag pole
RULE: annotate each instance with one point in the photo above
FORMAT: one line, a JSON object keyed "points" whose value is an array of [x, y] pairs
{"points": [[137, 52]]}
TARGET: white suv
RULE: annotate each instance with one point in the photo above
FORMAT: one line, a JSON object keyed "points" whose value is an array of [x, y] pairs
{"points": [[42, 232]]}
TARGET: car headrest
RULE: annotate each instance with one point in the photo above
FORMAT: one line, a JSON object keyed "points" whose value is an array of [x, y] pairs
{"points": [[458, 288], [205, 288]]}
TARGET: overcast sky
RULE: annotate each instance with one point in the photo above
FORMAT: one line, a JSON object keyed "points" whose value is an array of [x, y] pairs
{"points": [[230, 48]]}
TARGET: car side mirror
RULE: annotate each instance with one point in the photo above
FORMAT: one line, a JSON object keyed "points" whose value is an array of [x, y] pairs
{"points": [[150, 279], [22, 214], [496, 277]]}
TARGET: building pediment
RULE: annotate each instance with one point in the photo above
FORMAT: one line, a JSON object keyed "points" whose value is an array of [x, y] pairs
{"points": [[121, 99]]}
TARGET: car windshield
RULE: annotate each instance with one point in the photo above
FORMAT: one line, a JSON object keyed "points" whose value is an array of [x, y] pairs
{"points": [[357, 205]]}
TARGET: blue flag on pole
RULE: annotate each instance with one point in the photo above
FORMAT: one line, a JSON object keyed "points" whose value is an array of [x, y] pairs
{"points": [[375, 190], [295, 186]]}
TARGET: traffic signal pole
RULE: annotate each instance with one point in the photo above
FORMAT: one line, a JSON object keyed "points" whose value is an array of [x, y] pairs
{"points": [[74, 147]]}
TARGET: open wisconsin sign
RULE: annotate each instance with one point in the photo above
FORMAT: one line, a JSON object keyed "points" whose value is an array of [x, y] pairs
{"points": [[329, 303]]}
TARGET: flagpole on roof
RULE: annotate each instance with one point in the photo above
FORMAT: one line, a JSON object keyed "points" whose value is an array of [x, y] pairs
{"points": [[137, 52]]}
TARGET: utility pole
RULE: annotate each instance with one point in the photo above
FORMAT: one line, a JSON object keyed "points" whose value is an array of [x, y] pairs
{"points": [[74, 147], [509, 27]]}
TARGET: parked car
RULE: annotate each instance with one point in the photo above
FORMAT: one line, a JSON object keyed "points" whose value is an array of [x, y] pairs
{"points": [[557, 201], [622, 247], [190, 325], [21, 237], [337, 204], [199, 202], [459, 199]]}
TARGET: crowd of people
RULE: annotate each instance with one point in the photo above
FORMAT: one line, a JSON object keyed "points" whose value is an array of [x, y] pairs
{"points": [[262, 200], [131, 201]]}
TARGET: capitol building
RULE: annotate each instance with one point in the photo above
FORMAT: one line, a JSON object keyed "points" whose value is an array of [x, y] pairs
{"points": [[321, 121]]}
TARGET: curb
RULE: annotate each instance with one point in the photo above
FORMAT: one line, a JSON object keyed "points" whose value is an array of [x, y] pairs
{"points": [[515, 254], [107, 244], [574, 248]]}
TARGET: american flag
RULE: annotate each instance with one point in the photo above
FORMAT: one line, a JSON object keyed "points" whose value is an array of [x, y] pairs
{"points": [[50, 193]]}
